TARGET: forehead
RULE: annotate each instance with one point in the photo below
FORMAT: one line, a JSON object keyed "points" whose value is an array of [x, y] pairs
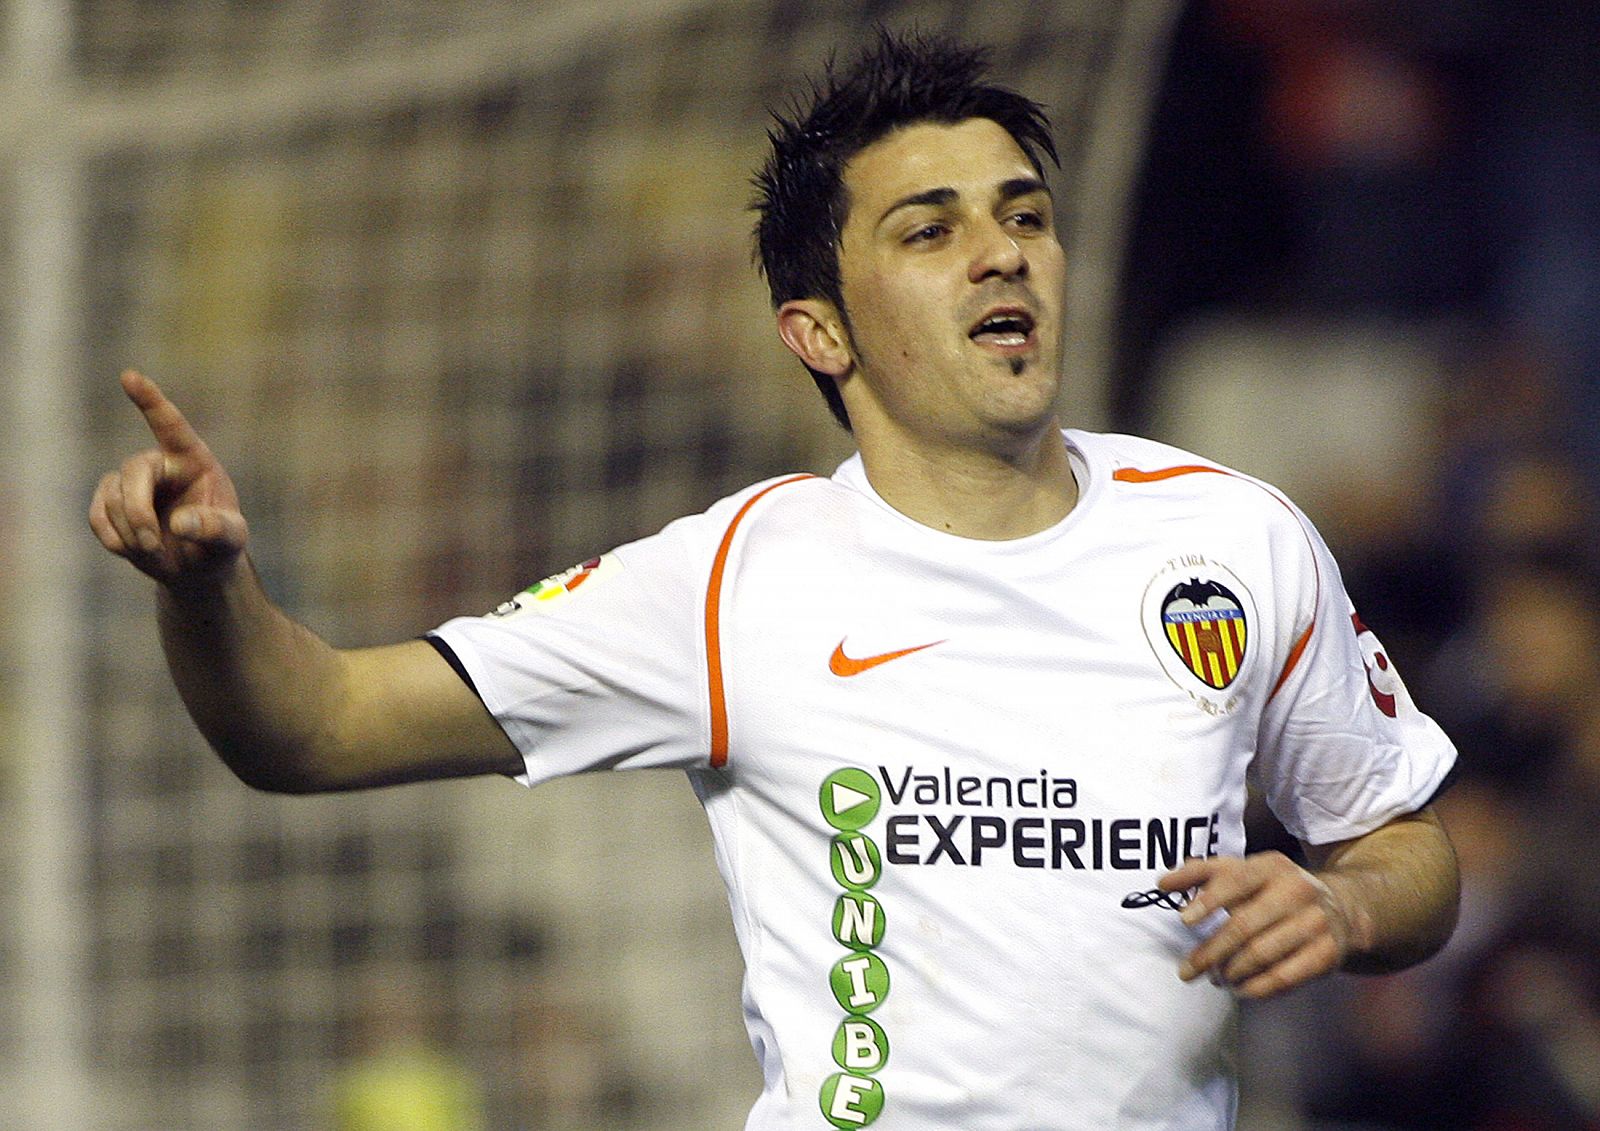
{"points": [[971, 157]]}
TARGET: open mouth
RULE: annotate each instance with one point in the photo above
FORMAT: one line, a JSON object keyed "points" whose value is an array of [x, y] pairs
{"points": [[1004, 328]]}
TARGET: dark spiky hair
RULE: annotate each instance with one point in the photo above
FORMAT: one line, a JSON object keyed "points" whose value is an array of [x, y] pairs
{"points": [[898, 81]]}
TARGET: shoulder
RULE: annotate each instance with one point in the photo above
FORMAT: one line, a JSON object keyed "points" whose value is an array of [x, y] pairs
{"points": [[770, 500], [693, 543], [1142, 469], [802, 488]]}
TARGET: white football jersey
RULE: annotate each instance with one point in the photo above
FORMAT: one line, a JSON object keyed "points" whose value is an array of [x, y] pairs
{"points": [[943, 774]]}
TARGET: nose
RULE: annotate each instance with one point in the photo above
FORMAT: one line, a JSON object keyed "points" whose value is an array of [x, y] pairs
{"points": [[997, 254]]}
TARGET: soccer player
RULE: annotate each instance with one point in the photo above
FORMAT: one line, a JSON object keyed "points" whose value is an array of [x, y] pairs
{"points": [[971, 719]]}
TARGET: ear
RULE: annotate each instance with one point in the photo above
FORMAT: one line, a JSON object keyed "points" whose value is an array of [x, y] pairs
{"points": [[814, 332]]}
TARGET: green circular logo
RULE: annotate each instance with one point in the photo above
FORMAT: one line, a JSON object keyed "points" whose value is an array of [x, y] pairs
{"points": [[851, 1101], [858, 920], [855, 860], [860, 982], [849, 798], [860, 1045]]}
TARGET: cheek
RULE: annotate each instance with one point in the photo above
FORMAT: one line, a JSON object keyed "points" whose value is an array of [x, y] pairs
{"points": [[894, 321], [1051, 275], [899, 314]]}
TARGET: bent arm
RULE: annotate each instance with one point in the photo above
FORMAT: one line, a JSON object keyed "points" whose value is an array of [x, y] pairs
{"points": [[288, 712], [1373, 904], [1398, 889], [285, 710]]}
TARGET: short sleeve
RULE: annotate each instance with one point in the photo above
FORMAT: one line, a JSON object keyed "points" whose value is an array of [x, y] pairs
{"points": [[600, 667], [1342, 747]]}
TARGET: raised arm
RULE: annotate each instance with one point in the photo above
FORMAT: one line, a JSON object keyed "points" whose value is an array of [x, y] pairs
{"points": [[1371, 905], [285, 710]]}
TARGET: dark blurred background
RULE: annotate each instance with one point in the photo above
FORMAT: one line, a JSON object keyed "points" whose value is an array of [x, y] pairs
{"points": [[1364, 260]]}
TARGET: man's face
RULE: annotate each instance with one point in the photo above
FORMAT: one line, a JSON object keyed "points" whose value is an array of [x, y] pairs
{"points": [[953, 283]]}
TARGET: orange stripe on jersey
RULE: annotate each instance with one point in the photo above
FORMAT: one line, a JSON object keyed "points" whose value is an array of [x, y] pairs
{"points": [[1134, 475], [719, 701], [1138, 475], [1294, 657]]}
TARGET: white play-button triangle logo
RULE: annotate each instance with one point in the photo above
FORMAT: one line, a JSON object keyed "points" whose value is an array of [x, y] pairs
{"points": [[845, 798]]}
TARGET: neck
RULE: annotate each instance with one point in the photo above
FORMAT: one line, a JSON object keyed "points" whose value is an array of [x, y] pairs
{"points": [[993, 494]]}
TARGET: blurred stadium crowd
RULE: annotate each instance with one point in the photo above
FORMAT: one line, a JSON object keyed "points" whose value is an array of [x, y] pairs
{"points": [[1395, 209]]}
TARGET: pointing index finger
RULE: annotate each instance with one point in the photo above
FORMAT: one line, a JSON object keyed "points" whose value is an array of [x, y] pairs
{"points": [[171, 429]]}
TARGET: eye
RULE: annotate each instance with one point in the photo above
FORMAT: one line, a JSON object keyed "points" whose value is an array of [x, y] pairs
{"points": [[927, 233], [1029, 219]]}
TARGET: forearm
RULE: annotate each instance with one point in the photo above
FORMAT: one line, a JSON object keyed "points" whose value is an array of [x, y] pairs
{"points": [[261, 687], [285, 710], [1397, 890], [1374, 904]]}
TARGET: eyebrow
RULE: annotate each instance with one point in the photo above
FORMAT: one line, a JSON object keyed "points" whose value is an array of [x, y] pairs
{"points": [[1009, 191]]}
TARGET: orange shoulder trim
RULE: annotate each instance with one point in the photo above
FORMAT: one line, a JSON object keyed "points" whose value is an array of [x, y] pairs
{"points": [[1136, 475], [1294, 657], [719, 564]]}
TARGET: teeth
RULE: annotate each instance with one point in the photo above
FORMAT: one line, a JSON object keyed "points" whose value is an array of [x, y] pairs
{"points": [[1004, 329]]}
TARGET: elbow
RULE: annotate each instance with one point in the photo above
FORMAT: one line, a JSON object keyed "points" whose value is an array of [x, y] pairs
{"points": [[276, 770], [280, 783], [1446, 904], [1448, 914], [1424, 912]]}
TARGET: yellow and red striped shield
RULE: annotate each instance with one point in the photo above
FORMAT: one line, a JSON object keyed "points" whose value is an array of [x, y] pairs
{"points": [[1205, 624]]}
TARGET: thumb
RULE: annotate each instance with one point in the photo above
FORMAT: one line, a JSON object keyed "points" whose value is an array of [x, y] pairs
{"points": [[215, 529]]}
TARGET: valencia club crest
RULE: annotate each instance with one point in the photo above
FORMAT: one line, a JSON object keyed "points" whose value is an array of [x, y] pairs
{"points": [[1198, 617], [1206, 626]]}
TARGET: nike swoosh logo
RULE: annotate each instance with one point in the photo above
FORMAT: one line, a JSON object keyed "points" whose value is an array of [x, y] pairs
{"points": [[845, 666]]}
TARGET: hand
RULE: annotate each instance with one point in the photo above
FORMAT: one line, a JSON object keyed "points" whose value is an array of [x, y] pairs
{"points": [[171, 510], [1285, 925]]}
